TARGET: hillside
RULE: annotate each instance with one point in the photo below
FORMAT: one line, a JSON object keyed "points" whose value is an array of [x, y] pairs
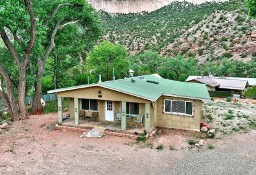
{"points": [[136, 6], [207, 31]]}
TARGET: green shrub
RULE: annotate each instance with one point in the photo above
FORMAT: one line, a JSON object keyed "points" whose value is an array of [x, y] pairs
{"points": [[222, 94], [210, 146], [160, 147], [52, 107], [250, 92], [191, 142], [227, 55], [229, 117], [229, 99], [254, 54]]}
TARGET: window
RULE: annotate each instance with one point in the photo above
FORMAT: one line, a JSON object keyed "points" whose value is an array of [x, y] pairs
{"points": [[132, 108], [90, 105], [178, 107]]}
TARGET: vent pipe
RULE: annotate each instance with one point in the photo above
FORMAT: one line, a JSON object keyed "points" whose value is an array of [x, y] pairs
{"points": [[114, 74], [131, 72], [99, 77]]}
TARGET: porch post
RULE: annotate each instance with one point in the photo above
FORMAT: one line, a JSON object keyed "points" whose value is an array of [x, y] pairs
{"points": [[147, 117], [76, 111], [155, 114], [123, 121], [60, 109]]}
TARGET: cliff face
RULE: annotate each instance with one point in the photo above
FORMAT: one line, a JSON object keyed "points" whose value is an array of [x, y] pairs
{"points": [[136, 6]]}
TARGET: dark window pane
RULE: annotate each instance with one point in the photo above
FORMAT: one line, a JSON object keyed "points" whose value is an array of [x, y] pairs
{"points": [[189, 108], [167, 106], [85, 104], [127, 108], [94, 105], [178, 106]]}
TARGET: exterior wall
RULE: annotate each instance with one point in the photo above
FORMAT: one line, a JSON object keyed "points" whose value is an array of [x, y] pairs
{"points": [[107, 94], [179, 121], [92, 93]]}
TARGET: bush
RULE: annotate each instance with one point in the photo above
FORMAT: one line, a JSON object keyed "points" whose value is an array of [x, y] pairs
{"points": [[229, 99], [191, 142], [250, 92], [52, 107], [222, 94], [160, 147], [227, 55], [210, 146]]}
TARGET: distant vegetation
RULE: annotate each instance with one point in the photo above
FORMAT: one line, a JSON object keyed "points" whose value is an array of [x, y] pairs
{"points": [[156, 30]]}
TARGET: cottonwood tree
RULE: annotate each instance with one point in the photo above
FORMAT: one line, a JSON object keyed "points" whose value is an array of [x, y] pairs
{"points": [[106, 56], [23, 26]]}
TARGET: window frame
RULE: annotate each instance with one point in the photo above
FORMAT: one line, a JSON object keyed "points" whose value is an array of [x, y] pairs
{"points": [[81, 101], [178, 113]]}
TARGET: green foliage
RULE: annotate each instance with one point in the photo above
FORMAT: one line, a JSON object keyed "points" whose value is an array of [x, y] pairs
{"points": [[229, 99], [106, 56], [250, 92], [52, 107], [229, 116], [251, 4], [191, 142], [141, 138], [160, 147], [210, 146]]}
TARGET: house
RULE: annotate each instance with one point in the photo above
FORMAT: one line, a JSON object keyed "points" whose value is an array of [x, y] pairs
{"points": [[161, 102], [235, 86]]}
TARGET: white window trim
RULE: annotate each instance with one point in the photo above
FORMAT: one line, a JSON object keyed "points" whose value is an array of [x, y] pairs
{"points": [[177, 113], [89, 105]]}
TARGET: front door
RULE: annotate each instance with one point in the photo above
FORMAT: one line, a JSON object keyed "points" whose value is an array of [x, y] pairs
{"points": [[109, 111]]}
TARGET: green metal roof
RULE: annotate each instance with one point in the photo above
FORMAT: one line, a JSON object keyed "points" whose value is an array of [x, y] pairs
{"points": [[141, 87]]}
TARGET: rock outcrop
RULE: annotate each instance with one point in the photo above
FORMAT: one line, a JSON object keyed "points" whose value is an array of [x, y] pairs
{"points": [[136, 6]]}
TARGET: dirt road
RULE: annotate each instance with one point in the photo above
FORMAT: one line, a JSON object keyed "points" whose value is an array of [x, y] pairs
{"points": [[28, 147]]}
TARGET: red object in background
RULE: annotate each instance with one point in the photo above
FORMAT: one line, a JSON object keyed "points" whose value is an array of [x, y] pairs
{"points": [[204, 124]]}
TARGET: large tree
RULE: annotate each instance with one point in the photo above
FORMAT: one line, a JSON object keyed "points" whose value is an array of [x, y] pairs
{"points": [[42, 26], [106, 56]]}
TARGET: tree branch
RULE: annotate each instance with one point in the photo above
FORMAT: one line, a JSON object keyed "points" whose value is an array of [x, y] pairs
{"points": [[5, 99], [52, 43], [71, 22], [9, 46], [57, 9], [32, 30], [9, 87]]}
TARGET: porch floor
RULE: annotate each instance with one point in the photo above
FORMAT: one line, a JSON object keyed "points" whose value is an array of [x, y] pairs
{"points": [[104, 125]]}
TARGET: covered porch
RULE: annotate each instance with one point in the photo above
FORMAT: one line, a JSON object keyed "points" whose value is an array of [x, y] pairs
{"points": [[131, 116]]}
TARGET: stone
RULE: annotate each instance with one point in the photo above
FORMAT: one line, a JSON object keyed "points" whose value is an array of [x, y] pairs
{"points": [[201, 142], [211, 133], [5, 113], [204, 129], [4, 125], [171, 147], [197, 145], [1, 131]]}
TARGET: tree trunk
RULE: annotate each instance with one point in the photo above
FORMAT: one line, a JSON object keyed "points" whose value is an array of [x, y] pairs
{"points": [[22, 92], [36, 105]]}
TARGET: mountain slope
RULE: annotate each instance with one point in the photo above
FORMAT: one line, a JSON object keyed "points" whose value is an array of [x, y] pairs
{"points": [[159, 30]]}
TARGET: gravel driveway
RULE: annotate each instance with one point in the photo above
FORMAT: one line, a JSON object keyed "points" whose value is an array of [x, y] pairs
{"points": [[30, 148]]}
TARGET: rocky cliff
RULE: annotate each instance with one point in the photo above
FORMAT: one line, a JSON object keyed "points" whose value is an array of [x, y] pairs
{"points": [[136, 6]]}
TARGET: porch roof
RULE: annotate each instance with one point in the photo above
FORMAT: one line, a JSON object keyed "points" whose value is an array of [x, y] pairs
{"points": [[149, 87]]}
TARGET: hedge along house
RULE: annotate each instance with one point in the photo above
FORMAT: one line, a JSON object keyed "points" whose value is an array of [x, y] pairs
{"points": [[161, 102]]}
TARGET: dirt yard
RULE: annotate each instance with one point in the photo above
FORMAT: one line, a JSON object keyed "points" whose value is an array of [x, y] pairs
{"points": [[33, 146]]}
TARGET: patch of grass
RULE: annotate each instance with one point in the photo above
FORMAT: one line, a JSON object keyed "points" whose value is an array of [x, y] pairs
{"points": [[229, 117], [191, 142], [230, 111], [210, 146], [160, 147], [141, 138]]}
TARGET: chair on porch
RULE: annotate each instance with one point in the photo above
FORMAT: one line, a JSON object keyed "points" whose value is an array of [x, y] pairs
{"points": [[118, 117], [138, 120], [88, 114]]}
